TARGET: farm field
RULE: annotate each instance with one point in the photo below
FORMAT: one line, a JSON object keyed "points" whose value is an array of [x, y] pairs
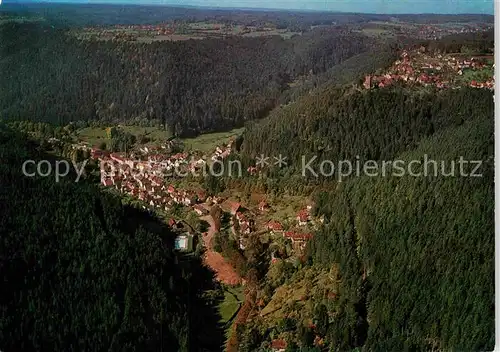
{"points": [[97, 135], [171, 32], [208, 142]]}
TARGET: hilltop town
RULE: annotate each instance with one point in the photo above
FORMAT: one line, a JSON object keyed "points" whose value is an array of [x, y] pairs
{"points": [[419, 67]]}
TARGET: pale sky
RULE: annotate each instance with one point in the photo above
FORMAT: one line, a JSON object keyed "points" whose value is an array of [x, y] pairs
{"points": [[367, 6]]}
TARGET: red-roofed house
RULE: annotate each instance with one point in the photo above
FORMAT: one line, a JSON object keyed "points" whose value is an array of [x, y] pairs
{"points": [[117, 158], [303, 217], [245, 228], [263, 206], [202, 196], [298, 239], [235, 207], [368, 82], [107, 182], [199, 209], [156, 181], [274, 226], [252, 170], [279, 345], [96, 153]]}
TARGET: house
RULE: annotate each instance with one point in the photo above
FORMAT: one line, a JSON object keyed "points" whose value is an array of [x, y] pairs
{"points": [[200, 210], [107, 182], [184, 242], [303, 217], [235, 207], [189, 199], [202, 196], [245, 228], [274, 226], [95, 153], [298, 237], [368, 82], [299, 240], [240, 216], [171, 189], [156, 181], [242, 243], [322, 219], [263, 206], [252, 170], [119, 159], [279, 345]]}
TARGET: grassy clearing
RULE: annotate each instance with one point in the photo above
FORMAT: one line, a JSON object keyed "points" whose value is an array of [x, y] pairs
{"points": [[375, 32], [155, 134], [296, 298], [476, 75], [229, 306], [208, 142], [283, 34], [93, 135], [97, 135]]}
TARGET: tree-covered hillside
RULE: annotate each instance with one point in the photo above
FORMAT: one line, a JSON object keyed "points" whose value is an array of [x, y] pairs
{"points": [[80, 271], [344, 124], [192, 86], [417, 252], [400, 264]]}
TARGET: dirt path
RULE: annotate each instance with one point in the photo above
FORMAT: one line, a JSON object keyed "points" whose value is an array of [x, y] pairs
{"points": [[224, 271]]}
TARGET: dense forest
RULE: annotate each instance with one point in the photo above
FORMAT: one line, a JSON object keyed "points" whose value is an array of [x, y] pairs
{"points": [[411, 258], [81, 271], [416, 253], [159, 83], [346, 124]]}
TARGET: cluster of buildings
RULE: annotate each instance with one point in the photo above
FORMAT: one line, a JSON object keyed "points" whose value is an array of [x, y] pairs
{"points": [[145, 179], [145, 182], [120, 30], [431, 32], [223, 152], [243, 226], [298, 237], [439, 71]]}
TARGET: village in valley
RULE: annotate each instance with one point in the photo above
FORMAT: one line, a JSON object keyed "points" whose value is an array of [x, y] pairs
{"points": [[153, 177], [167, 177]]}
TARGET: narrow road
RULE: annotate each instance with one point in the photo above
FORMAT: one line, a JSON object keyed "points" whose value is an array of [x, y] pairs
{"points": [[223, 270]]}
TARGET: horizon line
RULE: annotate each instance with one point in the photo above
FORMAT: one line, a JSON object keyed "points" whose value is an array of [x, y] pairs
{"points": [[229, 8]]}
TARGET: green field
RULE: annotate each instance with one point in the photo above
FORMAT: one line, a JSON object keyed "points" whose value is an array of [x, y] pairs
{"points": [[476, 75], [228, 308], [375, 32], [97, 135], [231, 303], [92, 135], [205, 143], [208, 142]]}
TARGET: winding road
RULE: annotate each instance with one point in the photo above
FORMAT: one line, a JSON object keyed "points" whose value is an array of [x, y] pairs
{"points": [[224, 272]]}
